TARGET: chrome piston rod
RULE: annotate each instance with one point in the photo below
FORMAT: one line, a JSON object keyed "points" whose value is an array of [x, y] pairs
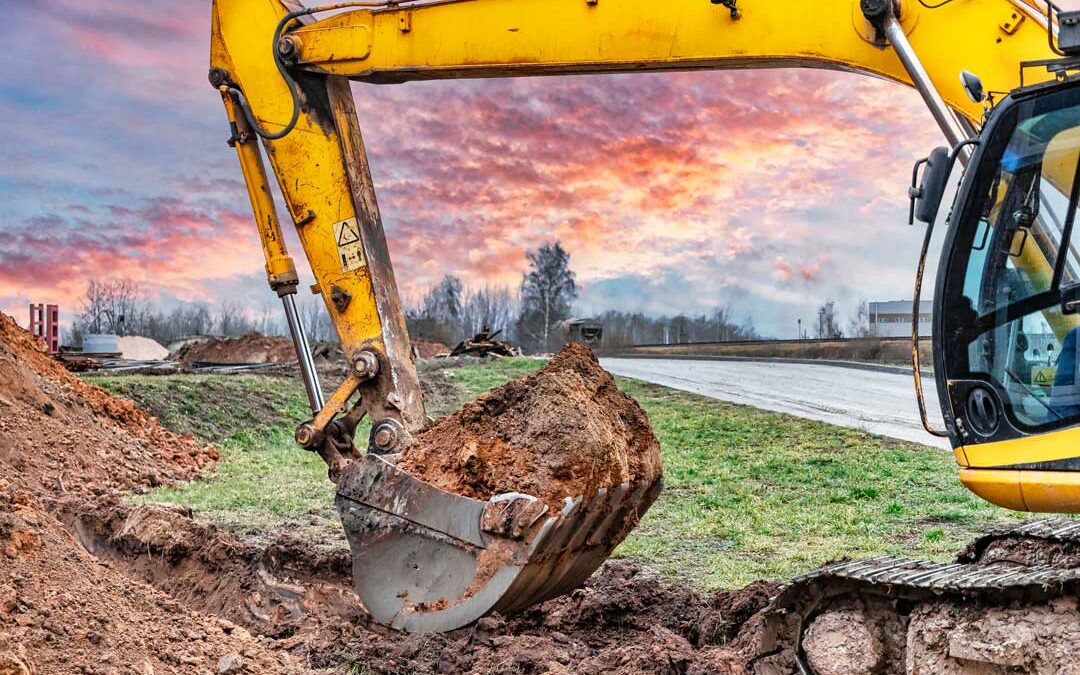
{"points": [[303, 354], [941, 112]]}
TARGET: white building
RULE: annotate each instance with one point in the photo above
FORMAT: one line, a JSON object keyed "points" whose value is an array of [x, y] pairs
{"points": [[893, 318]]}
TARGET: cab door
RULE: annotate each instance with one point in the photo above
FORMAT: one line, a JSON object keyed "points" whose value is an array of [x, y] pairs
{"points": [[1007, 332]]}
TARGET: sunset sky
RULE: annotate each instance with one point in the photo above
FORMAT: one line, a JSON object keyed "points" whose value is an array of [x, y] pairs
{"points": [[768, 191]]}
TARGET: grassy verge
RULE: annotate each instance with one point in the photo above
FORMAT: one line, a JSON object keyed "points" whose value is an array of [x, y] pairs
{"points": [[264, 483], [748, 494]]}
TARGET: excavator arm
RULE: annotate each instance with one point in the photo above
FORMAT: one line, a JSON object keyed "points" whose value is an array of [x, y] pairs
{"points": [[284, 76], [292, 74]]}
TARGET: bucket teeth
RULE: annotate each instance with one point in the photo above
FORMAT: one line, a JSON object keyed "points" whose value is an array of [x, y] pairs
{"points": [[426, 560]]}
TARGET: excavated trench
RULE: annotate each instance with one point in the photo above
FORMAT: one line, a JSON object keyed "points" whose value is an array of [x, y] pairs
{"points": [[626, 620]]}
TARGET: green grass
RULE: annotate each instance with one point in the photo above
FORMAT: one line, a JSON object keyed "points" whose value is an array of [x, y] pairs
{"points": [[265, 481], [748, 494], [751, 494]]}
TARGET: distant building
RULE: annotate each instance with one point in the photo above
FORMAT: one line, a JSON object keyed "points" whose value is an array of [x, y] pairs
{"points": [[45, 324], [587, 331], [893, 318]]}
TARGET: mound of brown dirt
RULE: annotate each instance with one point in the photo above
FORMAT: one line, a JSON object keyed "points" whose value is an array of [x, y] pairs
{"points": [[63, 611], [58, 433], [428, 349], [565, 430], [625, 620], [250, 348]]}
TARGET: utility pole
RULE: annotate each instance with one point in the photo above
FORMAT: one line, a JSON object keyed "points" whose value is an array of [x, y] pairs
{"points": [[798, 333]]}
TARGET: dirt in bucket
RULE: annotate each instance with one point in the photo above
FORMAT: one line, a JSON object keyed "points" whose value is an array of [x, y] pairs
{"points": [[565, 430]]}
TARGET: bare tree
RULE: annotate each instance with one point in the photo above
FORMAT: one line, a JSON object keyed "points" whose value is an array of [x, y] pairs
{"points": [[490, 307], [317, 321], [622, 329], [231, 320], [439, 316], [110, 306], [548, 291], [859, 325], [828, 327]]}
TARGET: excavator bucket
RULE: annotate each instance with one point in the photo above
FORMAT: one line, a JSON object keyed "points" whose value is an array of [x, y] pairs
{"points": [[426, 560]]}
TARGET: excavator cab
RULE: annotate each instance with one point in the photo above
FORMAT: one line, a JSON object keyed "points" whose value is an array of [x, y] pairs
{"points": [[1006, 327]]}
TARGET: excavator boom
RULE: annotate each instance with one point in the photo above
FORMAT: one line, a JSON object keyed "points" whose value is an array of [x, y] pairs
{"points": [[284, 74]]}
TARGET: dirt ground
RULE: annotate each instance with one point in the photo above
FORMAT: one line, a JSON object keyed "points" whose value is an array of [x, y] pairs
{"points": [[250, 348], [428, 349], [90, 584], [59, 434], [257, 348]]}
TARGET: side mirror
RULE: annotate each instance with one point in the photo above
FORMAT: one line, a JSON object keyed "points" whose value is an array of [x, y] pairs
{"points": [[973, 86], [926, 195]]}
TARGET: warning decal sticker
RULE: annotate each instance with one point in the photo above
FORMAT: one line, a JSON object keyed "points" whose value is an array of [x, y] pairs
{"points": [[1043, 375], [350, 247]]}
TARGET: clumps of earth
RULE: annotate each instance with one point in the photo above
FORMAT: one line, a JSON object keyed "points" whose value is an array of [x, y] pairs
{"points": [[565, 430], [59, 434]]}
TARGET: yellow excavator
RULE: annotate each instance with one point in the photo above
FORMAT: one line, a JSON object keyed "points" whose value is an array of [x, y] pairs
{"points": [[1000, 78]]}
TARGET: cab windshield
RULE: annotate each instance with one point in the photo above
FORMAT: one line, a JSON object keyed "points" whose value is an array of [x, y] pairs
{"points": [[1010, 317]]}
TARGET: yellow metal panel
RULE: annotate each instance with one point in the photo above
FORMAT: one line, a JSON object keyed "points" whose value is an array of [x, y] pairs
{"points": [[997, 487], [308, 162], [1051, 491], [506, 38], [1038, 491], [1046, 447]]}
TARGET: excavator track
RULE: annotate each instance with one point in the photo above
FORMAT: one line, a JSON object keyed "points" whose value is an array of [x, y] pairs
{"points": [[1054, 542], [1008, 602]]}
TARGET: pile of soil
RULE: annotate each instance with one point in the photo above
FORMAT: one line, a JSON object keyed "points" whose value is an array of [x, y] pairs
{"points": [[250, 348], [58, 433], [64, 611], [141, 348], [429, 349], [565, 430]]}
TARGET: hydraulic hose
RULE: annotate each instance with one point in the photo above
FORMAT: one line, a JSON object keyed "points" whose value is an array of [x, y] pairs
{"points": [[290, 83]]}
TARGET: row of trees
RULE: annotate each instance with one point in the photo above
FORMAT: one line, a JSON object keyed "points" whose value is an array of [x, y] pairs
{"points": [[622, 329], [121, 307], [449, 312], [532, 315], [529, 315]]}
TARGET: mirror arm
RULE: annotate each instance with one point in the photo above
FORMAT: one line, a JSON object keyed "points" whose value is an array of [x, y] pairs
{"points": [[960, 146], [915, 191], [916, 370]]}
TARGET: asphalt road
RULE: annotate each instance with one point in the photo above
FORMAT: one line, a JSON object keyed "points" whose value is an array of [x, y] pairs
{"points": [[882, 403]]}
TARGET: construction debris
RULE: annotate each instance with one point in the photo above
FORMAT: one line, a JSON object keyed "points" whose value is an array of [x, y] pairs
{"points": [[484, 344]]}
